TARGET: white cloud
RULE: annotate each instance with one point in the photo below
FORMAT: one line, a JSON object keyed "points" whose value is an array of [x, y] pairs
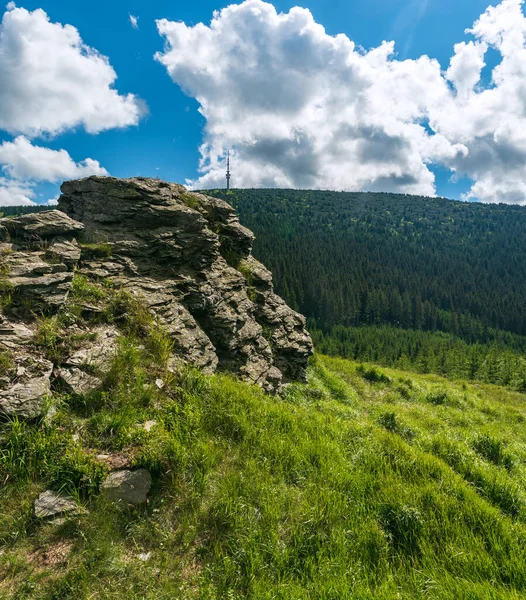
{"points": [[305, 109], [52, 201], [20, 159], [15, 193], [50, 81], [134, 21]]}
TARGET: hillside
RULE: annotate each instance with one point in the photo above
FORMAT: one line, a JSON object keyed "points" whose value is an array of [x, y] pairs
{"points": [[413, 262], [16, 211], [453, 272], [361, 484]]}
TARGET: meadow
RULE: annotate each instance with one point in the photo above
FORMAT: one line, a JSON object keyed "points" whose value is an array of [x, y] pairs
{"points": [[365, 483]]}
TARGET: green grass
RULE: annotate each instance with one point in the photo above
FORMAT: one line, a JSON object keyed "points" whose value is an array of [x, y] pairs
{"points": [[365, 483], [98, 250]]}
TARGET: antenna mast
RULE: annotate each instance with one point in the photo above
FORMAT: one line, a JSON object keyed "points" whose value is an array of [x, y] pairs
{"points": [[228, 170]]}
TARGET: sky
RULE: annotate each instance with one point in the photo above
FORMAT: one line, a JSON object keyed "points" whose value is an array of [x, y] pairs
{"points": [[411, 96]]}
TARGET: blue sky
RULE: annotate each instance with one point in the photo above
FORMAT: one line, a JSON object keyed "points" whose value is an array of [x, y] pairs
{"points": [[166, 141]]}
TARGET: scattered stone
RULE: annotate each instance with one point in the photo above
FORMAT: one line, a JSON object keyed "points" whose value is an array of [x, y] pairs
{"points": [[50, 504], [115, 460], [149, 425], [127, 486], [26, 395], [78, 382], [96, 352], [160, 383]]}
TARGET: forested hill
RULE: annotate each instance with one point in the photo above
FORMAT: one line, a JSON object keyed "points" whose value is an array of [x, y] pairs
{"points": [[15, 211], [376, 258]]}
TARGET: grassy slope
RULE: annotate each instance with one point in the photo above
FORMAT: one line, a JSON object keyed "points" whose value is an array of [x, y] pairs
{"points": [[355, 486]]}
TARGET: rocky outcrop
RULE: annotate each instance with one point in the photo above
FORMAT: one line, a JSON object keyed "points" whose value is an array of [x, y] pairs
{"points": [[189, 259], [183, 255]]}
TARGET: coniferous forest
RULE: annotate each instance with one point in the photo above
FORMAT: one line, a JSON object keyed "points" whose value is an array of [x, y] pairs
{"points": [[403, 280]]}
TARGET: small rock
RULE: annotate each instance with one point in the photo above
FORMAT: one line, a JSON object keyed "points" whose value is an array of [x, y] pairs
{"points": [[148, 425], [78, 382], [98, 352], [50, 415], [127, 486], [27, 396], [159, 383], [50, 504], [116, 460]]}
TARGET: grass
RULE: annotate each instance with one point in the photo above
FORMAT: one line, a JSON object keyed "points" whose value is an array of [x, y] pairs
{"points": [[365, 483], [96, 250], [6, 362]]}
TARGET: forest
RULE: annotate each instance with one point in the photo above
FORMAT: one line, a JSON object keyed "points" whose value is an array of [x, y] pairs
{"points": [[15, 211], [364, 267]]}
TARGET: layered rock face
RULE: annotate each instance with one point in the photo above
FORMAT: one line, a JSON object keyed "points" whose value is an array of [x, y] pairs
{"points": [[183, 254]]}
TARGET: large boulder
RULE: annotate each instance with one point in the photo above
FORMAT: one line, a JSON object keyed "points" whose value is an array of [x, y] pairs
{"points": [[41, 225], [184, 255], [64, 251]]}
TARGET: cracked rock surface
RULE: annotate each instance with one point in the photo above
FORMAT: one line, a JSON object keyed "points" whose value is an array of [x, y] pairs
{"points": [[189, 260]]}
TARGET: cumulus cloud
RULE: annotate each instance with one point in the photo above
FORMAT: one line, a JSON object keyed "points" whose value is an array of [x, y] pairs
{"points": [[15, 193], [303, 109], [50, 81], [20, 159], [134, 21], [24, 165]]}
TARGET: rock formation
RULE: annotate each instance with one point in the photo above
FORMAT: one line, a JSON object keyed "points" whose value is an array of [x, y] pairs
{"points": [[184, 255]]}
